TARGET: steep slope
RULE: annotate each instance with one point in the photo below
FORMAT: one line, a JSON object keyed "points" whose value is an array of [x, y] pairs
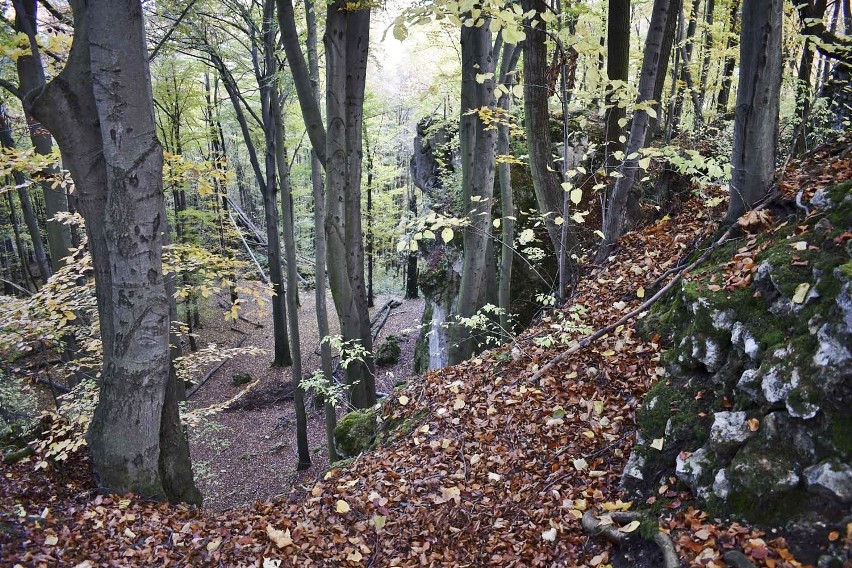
{"points": [[486, 466]]}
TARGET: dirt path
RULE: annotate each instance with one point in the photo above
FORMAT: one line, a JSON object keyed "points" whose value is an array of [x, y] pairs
{"points": [[247, 451]]}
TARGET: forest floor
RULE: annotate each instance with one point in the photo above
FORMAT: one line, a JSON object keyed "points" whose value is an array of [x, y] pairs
{"points": [[496, 466], [246, 452]]}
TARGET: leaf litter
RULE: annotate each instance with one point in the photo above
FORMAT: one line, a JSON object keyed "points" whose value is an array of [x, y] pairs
{"points": [[496, 469]]}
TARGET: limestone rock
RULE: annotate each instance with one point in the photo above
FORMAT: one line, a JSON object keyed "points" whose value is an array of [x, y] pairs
{"points": [[729, 431], [830, 479], [694, 469], [721, 484]]}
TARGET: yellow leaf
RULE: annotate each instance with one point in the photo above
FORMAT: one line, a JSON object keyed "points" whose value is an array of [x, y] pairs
{"points": [[801, 292], [280, 538], [576, 196], [51, 540], [342, 506], [447, 234], [630, 527], [69, 315], [640, 293], [459, 404], [379, 521], [213, 545], [657, 444], [403, 400]]}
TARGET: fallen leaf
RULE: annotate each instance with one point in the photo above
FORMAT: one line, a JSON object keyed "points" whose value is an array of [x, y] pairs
{"points": [[280, 538], [342, 506], [549, 535], [629, 527]]}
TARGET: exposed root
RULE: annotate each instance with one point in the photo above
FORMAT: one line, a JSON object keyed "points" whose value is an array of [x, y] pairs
{"points": [[592, 525]]}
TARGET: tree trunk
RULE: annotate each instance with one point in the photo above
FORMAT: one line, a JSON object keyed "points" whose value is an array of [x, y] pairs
{"points": [[508, 62], [320, 241], [100, 110], [304, 452], [758, 98], [31, 77], [370, 237], [617, 68], [26, 278], [707, 49], [546, 183], [411, 285], [730, 63], [346, 43], [665, 55], [477, 183], [617, 204]]}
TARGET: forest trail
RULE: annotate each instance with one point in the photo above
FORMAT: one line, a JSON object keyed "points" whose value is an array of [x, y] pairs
{"points": [[246, 452], [489, 468]]}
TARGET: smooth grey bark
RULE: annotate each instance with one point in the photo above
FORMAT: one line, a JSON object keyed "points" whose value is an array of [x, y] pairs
{"points": [[318, 192], [508, 62], [265, 77], [346, 42], [615, 214], [303, 78], [758, 99], [304, 452], [478, 172], [546, 182], [100, 110], [31, 76]]}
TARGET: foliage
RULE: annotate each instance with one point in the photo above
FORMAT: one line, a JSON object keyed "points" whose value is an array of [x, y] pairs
{"points": [[18, 407], [64, 430]]}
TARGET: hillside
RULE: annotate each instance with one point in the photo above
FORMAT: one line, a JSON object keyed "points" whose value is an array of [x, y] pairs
{"points": [[493, 462]]}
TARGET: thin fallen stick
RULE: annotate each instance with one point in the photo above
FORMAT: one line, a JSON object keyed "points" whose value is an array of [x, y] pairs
{"points": [[212, 371], [589, 339]]}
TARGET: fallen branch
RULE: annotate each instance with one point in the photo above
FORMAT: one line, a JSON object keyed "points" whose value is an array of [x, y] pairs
{"points": [[589, 339], [387, 308], [212, 371], [16, 287], [248, 249], [592, 525]]}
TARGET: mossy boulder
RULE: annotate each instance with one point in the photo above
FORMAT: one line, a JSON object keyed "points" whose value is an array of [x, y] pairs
{"points": [[356, 432], [388, 352], [759, 373]]}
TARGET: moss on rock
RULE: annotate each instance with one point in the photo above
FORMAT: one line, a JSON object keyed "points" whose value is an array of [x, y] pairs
{"points": [[356, 432]]}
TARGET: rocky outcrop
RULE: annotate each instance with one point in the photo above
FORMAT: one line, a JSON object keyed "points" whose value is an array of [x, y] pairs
{"points": [[754, 414]]}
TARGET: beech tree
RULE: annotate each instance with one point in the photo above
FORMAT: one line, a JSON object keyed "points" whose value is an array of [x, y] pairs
{"points": [[615, 213], [758, 103], [99, 108], [338, 145]]}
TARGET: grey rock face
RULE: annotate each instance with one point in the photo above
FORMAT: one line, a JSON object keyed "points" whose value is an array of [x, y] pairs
{"points": [[832, 480], [729, 431]]}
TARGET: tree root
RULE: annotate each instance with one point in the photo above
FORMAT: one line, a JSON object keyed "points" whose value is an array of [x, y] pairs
{"points": [[591, 524]]}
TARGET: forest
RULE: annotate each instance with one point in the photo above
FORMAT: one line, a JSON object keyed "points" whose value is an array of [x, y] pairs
{"points": [[426, 283]]}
